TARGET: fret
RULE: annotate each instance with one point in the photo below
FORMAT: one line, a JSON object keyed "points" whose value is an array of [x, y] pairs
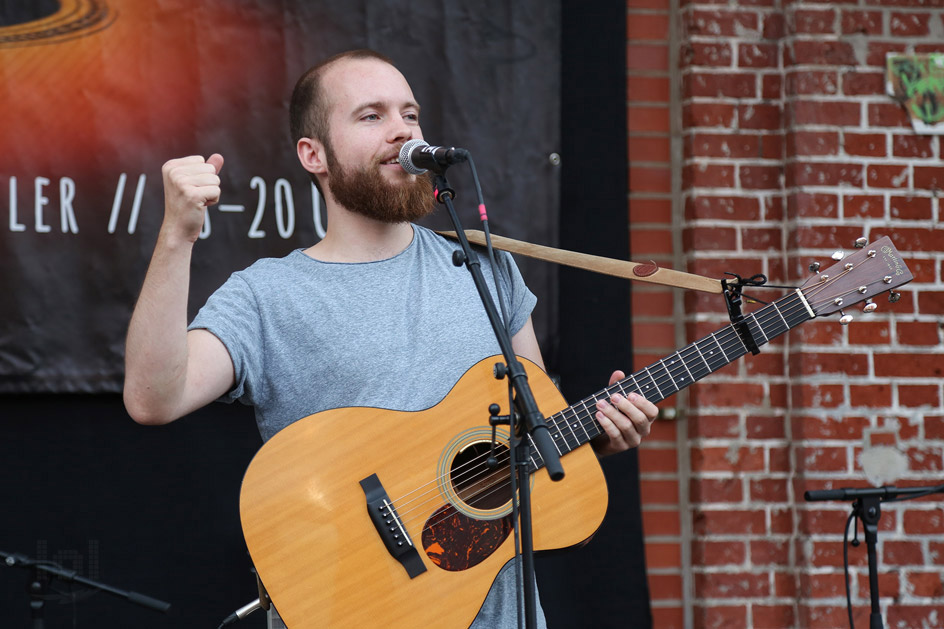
{"points": [[656, 384], [780, 314], [714, 337], [677, 371], [711, 352], [697, 371], [671, 380]]}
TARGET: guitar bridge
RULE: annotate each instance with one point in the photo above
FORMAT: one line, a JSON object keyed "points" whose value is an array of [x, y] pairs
{"points": [[390, 528]]}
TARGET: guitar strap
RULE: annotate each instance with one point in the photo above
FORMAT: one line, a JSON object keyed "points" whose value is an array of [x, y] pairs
{"points": [[619, 268]]}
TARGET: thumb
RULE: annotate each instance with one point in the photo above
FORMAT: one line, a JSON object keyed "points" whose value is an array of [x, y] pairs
{"points": [[216, 160], [617, 376]]}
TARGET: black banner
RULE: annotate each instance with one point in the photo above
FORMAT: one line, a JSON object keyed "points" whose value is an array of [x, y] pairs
{"points": [[97, 94]]}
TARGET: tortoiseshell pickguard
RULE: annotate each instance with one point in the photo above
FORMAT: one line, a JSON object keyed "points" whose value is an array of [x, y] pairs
{"points": [[455, 542]]}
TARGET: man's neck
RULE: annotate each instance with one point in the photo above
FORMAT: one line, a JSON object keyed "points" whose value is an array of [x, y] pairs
{"points": [[352, 237]]}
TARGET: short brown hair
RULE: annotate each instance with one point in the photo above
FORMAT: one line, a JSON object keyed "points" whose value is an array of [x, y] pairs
{"points": [[308, 111]]}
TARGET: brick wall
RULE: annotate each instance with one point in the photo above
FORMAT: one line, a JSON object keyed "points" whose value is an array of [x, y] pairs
{"points": [[761, 139]]}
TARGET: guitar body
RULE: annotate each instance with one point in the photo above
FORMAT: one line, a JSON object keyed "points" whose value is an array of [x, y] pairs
{"points": [[324, 564]]}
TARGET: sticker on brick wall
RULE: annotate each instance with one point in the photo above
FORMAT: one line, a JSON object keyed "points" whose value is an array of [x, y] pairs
{"points": [[917, 82]]}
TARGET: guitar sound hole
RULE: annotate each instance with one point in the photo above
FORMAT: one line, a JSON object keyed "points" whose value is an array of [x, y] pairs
{"points": [[475, 483]]}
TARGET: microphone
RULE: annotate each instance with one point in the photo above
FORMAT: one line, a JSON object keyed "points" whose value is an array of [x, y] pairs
{"points": [[417, 156]]}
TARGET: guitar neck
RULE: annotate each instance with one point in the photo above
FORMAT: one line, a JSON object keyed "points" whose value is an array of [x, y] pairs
{"points": [[577, 424]]}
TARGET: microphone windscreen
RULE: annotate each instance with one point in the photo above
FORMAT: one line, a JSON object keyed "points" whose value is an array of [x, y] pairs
{"points": [[406, 156]]}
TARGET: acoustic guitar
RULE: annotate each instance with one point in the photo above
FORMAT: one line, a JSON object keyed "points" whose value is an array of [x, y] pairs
{"points": [[365, 517]]}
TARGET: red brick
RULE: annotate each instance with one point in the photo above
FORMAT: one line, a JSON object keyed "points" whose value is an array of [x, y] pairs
{"points": [[665, 586], [663, 555], [812, 143], [912, 146], [719, 23], [805, 204], [734, 459], [923, 521], [728, 145], [656, 492], [711, 553], [648, 89], [814, 21], [864, 22], [866, 144], [648, 118], [863, 83], [649, 149], [661, 521], [925, 459], [929, 177], [708, 54], [837, 113], [722, 207], [877, 50], [842, 427], [875, 395], [720, 617], [771, 86], [668, 617], [919, 332], [713, 426], [645, 242], [730, 585], [714, 490], [825, 174], [761, 177], [887, 115], [820, 52], [898, 553], [810, 82], [709, 238], [773, 616], [909, 24], [926, 584], [760, 116], [765, 427], [647, 26], [719, 85], [651, 57], [758, 55], [708, 115], [817, 395], [649, 211], [769, 490], [844, 364], [645, 179], [887, 176], [863, 205]]}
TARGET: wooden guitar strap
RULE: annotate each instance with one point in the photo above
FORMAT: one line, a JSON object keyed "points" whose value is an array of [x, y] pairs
{"points": [[619, 268]]}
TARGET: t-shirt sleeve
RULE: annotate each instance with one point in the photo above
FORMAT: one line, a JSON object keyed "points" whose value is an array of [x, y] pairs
{"points": [[521, 301], [231, 314]]}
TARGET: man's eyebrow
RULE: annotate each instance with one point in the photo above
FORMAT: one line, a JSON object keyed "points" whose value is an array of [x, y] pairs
{"points": [[383, 104]]}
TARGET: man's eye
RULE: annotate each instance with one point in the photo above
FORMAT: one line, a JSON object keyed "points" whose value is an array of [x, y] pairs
{"points": [[371, 117]]}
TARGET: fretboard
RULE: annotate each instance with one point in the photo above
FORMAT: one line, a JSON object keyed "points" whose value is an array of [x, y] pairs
{"points": [[577, 424]]}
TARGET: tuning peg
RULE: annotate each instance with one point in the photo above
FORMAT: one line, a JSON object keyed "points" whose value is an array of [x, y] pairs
{"points": [[814, 267], [861, 242], [870, 306], [893, 296], [839, 255], [845, 319]]}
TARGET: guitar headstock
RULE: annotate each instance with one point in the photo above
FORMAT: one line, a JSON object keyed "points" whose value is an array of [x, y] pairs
{"points": [[875, 268]]}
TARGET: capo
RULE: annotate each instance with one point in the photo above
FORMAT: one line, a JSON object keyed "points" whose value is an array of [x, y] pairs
{"points": [[732, 296]]}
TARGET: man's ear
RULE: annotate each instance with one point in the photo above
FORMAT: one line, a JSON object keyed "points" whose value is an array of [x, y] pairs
{"points": [[311, 154]]}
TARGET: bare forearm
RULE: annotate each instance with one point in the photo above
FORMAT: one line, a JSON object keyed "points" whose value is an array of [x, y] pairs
{"points": [[156, 348]]}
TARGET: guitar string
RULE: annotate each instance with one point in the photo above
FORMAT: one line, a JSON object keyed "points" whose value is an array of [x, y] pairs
{"points": [[503, 481], [771, 313]]}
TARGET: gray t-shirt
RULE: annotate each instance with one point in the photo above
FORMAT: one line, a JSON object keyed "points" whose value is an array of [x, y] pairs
{"points": [[307, 336]]}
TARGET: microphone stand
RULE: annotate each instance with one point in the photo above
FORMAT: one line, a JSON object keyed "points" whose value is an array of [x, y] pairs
{"points": [[867, 507], [38, 590], [533, 425]]}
